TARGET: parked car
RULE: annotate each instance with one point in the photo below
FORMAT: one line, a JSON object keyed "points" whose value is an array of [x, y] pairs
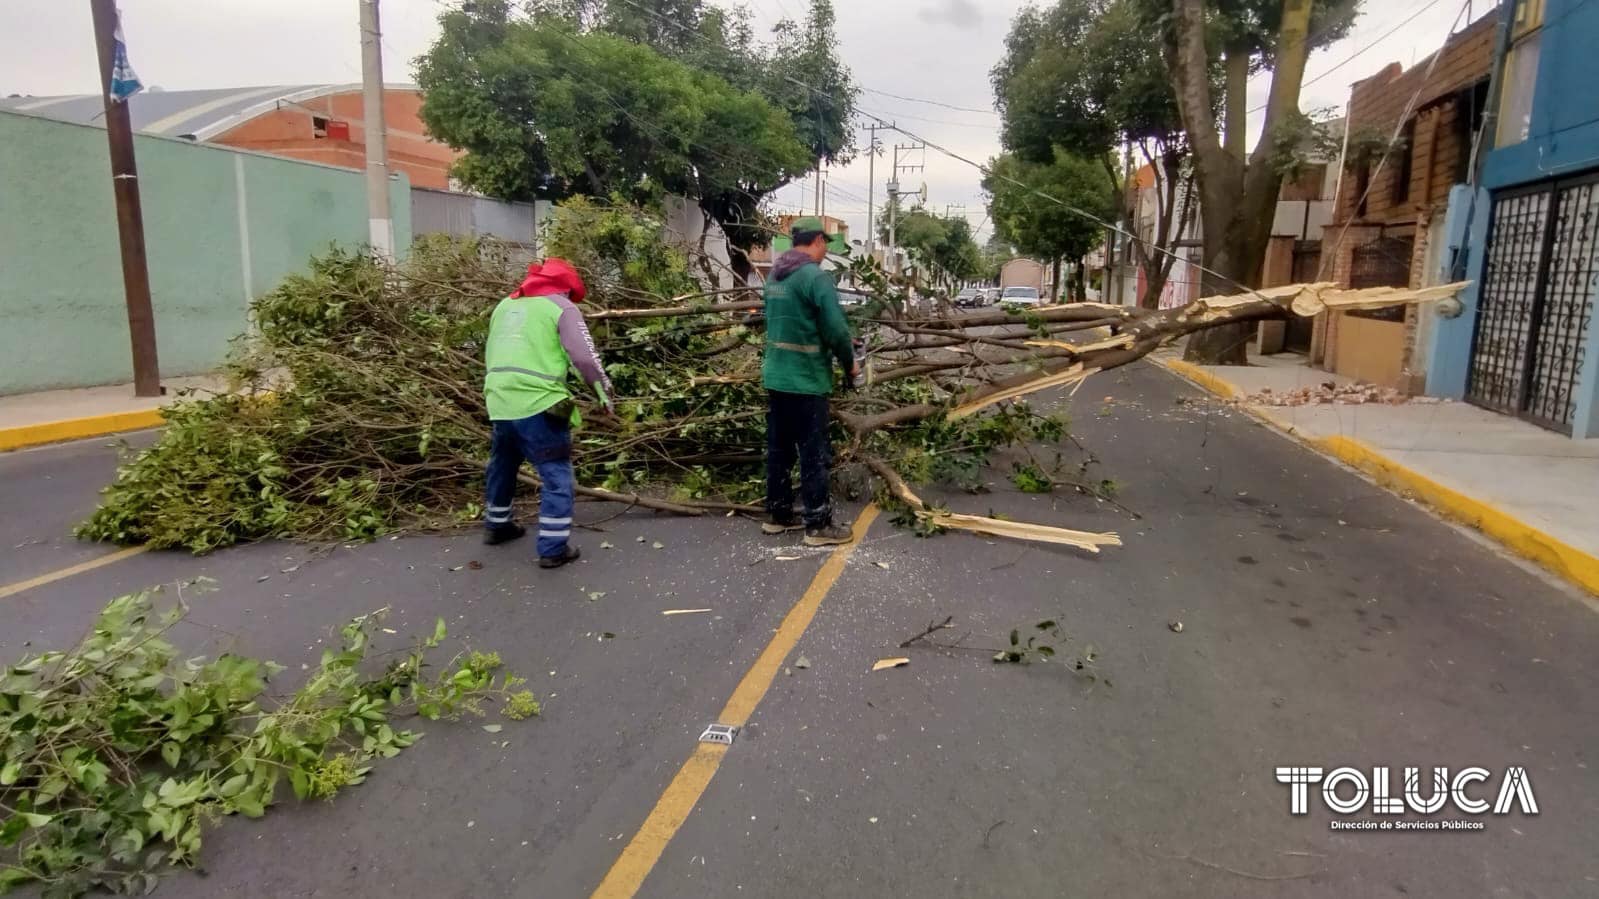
{"points": [[1020, 296], [969, 297], [990, 296], [848, 297]]}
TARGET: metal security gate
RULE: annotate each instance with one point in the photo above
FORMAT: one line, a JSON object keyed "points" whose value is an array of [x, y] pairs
{"points": [[1536, 299]]}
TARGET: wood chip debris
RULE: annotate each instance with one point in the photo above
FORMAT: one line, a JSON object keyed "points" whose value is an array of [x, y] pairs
{"points": [[882, 664], [684, 611]]}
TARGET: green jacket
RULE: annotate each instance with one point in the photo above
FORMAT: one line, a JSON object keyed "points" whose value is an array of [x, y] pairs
{"points": [[805, 328]]}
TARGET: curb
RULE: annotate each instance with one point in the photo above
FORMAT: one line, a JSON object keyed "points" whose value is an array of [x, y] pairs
{"points": [[1515, 535], [46, 432]]}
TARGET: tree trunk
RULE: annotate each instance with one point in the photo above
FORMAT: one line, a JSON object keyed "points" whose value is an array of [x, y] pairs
{"points": [[1236, 64], [740, 263], [1081, 279], [1054, 283], [1237, 197]]}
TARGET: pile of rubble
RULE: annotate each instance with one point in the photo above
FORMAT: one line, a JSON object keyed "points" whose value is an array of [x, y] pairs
{"points": [[1329, 392]]}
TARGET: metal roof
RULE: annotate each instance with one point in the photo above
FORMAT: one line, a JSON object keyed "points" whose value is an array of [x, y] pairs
{"points": [[202, 114]]}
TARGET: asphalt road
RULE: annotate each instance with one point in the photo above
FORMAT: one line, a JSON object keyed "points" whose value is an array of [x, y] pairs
{"points": [[1324, 623]]}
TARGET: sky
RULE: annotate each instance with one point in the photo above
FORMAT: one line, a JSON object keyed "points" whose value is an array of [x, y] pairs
{"points": [[938, 50]]}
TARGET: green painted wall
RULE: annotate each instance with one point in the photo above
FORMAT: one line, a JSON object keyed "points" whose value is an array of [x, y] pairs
{"points": [[214, 219]]}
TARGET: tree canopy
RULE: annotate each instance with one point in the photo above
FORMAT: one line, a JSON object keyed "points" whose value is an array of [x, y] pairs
{"points": [[1039, 227], [635, 98], [943, 244]]}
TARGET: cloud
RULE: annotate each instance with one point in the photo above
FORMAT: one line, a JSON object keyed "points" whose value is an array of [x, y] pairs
{"points": [[958, 13]]}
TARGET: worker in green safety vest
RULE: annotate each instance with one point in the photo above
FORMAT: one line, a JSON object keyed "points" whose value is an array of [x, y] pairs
{"points": [[536, 336], [805, 332]]}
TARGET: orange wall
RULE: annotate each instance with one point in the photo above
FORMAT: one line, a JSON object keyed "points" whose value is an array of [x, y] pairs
{"points": [[287, 131]]}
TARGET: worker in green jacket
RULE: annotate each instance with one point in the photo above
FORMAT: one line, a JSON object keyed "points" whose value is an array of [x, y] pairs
{"points": [[805, 332], [536, 336]]}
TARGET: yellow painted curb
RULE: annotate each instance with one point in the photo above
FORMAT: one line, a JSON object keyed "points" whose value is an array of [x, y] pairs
{"points": [[1523, 539], [1201, 377], [78, 428], [1519, 537]]}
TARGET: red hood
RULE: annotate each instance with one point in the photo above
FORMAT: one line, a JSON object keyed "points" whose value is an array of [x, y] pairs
{"points": [[554, 275]]}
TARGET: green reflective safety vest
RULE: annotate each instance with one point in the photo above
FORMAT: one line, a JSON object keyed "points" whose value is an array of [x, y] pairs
{"points": [[526, 363]]}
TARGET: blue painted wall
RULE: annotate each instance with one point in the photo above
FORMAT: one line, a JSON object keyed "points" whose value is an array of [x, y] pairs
{"points": [[1449, 356], [1563, 135], [1562, 139]]}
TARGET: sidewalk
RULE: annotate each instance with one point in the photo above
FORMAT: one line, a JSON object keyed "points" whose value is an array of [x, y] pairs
{"points": [[1535, 491], [51, 416]]}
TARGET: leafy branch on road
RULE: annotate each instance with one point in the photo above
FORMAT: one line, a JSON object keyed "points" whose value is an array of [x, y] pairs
{"points": [[118, 753], [1037, 643]]}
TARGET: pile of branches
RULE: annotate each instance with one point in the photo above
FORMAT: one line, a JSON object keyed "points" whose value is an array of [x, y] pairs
{"points": [[359, 410]]}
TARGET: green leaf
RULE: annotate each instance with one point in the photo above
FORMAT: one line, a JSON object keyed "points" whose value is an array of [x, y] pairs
{"points": [[10, 773], [1015, 637], [170, 753], [11, 831], [439, 631], [492, 728], [233, 785]]}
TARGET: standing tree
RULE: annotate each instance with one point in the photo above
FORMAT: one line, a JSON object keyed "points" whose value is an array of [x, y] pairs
{"points": [[1085, 76], [944, 245], [1040, 227], [638, 98], [1088, 75], [1238, 192]]}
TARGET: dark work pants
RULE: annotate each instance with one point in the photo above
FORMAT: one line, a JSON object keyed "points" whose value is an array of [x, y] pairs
{"points": [[546, 442], [796, 428]]}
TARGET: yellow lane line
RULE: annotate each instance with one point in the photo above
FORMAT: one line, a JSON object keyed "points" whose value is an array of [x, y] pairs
{"points": [[675, 805], [69, 571]]}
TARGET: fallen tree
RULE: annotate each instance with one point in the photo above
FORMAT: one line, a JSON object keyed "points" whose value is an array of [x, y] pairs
{"points": [[359, 409]]}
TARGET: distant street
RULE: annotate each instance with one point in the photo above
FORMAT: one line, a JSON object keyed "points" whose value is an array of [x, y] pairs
{"points": [[1269, 609]]}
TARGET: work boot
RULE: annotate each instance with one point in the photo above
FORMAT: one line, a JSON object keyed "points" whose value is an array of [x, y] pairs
{"points": [[504, 533], [569, 554], [829, 535], [774, 525]]}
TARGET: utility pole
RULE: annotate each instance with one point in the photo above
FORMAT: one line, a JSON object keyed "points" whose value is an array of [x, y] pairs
{"points": [[821, 204], [893, 197], [818, 188], [874, 149], [377, 151], [130, 216]]}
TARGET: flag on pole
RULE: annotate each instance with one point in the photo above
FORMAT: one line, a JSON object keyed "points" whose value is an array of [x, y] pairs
{"points": [[124, 82]]}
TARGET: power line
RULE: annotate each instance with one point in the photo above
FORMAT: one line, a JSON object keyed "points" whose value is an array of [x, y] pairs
{"points": [[1370, 44], [903, 115], [1399, 129], [871, 90]]}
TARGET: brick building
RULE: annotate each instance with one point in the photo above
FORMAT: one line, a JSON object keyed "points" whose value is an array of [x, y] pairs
{"points": [[1390, 205], [313, 123]]}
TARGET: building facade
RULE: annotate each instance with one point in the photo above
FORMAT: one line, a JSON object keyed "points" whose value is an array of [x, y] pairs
{"points": [[1527, 232], [322, 123], [1392, 198]]}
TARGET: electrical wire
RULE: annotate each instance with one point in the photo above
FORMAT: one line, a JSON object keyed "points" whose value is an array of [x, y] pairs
{"points": [[991, 112], [1399, 129], [1362, 51]]}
